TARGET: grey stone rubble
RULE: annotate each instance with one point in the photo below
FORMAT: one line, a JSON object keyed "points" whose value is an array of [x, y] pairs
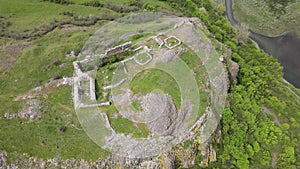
{"points": [[71, 55], [208, 152], [3, 160], [31, 109], [118, 49], [114, 85], [33, 93], [113, 162], [110, 162], [79, 76], [150, 165], [164, 116], [219, 81]]}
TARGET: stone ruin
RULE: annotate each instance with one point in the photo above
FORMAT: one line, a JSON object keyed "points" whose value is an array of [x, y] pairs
{"points": [[164, 134], [118, 49], [81, 76]]}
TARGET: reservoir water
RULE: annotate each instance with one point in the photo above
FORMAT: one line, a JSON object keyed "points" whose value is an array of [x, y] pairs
{"points": [[285, 48]]}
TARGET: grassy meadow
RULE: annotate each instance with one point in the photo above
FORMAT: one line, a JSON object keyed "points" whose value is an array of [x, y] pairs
{"points": [[267, 17], [26, 63], [36, 65], [153, 79]]}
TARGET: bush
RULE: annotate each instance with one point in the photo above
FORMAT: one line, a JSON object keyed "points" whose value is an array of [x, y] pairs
{"points": [[56, 76], [62, 129], [63, 2], [55, 62], [93, 3], [67, 13], [121, 8], [149, 7]]}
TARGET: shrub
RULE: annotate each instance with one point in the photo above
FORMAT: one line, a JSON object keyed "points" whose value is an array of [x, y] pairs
{"points": [[63, 2], [93, 3], [67, 13], [121, 8]]}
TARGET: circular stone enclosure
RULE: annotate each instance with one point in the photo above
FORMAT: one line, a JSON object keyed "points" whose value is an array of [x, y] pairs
{"points": [[147, 82]]}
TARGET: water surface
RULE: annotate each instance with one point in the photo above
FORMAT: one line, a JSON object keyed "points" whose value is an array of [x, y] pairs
{"points": [[285, 48]]}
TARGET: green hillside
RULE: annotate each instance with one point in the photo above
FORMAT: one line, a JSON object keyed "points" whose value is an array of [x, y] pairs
{"points": [[269, 17], [259, 126]]}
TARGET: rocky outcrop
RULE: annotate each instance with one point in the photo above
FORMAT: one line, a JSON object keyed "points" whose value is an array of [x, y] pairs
{"points": [[233, 68], [169, 160], [162, 108]]}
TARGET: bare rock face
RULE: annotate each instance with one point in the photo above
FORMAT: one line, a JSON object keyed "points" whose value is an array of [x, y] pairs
{"points": [[160, 112], [150, 165], [169, 160], [234, 70]]}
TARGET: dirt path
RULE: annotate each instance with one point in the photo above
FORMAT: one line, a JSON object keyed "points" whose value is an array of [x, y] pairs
{"points": [[274, 158], [270, 112]]}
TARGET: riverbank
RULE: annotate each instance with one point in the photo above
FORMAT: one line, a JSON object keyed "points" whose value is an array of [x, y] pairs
{"points": [[286, 50], [284, 47]]}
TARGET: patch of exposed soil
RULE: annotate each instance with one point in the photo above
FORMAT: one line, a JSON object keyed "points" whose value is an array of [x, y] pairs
{"points": [[271, 112], [10, 54], [274, 158]]}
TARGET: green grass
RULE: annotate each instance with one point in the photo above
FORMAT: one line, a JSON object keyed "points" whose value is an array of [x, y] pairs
{"points": [[42, 139], [201, 76], [190, 59], [172, 41], [143, 57], [26, 15], [152, 79], [128, 2], [123, 125], [136, 105], [29, 14], [35, 65]]}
